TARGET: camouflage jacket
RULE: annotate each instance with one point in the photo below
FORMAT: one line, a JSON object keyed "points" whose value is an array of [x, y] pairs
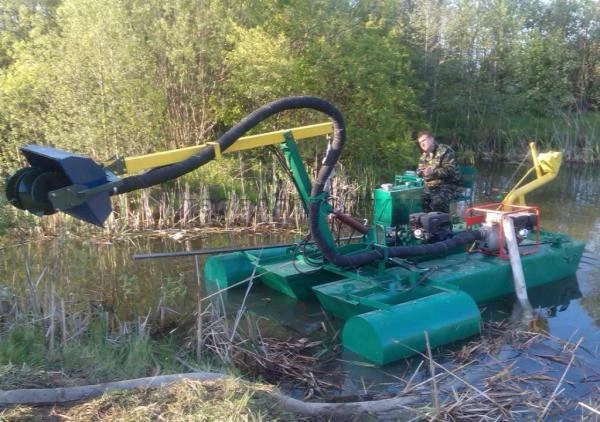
{"points": [[443, 162]]}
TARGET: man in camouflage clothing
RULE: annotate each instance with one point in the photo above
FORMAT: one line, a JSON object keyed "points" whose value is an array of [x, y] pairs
{"points": [[437, 166]]}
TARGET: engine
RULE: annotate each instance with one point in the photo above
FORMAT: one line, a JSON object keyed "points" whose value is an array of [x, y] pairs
{"points": [[430, 226]]}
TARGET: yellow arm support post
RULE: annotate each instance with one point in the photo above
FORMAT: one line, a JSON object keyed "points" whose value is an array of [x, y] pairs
{"points": [[158, 159], [546, 166]]}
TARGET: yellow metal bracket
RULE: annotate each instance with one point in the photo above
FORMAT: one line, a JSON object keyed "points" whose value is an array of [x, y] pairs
{"points": [[546, 166], [217, 147], [131, 165]]}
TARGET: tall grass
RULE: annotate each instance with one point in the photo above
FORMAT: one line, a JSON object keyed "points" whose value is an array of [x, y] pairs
{"points": [[575, 134], [44, 331], [49, 339]]}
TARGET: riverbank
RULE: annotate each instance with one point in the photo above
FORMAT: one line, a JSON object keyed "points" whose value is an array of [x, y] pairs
{"points": [[484, 379], [515, 373]]}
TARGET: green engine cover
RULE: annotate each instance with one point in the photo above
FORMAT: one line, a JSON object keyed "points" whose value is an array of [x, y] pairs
{"points": [[394, 203], [384, 336]]}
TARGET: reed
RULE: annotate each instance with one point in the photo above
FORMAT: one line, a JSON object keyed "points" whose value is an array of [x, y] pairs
{"points": [[574, 133], [246, 192], [45, 330]]}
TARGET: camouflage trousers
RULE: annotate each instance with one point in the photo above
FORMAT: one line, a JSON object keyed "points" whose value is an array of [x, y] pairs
{"points": [[438, 198]]}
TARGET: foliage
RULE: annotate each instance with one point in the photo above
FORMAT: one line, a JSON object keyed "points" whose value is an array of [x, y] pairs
{"points": [[487, 63], [4, 216], [136, 76]]}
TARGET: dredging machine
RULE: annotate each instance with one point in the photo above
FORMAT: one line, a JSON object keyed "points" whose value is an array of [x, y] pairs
{"points": [[412, 280]]}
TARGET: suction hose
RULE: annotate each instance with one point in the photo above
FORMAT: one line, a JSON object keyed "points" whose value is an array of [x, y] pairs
{"points": [[173, 171], [377, 253]]}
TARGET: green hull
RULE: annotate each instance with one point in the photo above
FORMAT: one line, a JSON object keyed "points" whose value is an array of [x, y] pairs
{"points": [[389, 307], [483, 277], [278, 268]]}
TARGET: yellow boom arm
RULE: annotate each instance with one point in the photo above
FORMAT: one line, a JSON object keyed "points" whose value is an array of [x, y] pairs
{"points": [[546, 166], [139, 163]]}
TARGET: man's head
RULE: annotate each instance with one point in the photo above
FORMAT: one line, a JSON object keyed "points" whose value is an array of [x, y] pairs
{"points": [[426, 141]]}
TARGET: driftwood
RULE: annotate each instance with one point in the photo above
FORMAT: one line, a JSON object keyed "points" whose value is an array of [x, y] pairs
{"points": [[372, 407], [47, 396]]}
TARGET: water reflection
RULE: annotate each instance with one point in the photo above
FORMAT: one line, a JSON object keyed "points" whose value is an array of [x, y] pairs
{"points": [[550, 300], [102, 273]]}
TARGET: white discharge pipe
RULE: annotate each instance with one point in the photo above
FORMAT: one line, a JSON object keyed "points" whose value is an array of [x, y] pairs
{"points": [[517, 268]]}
